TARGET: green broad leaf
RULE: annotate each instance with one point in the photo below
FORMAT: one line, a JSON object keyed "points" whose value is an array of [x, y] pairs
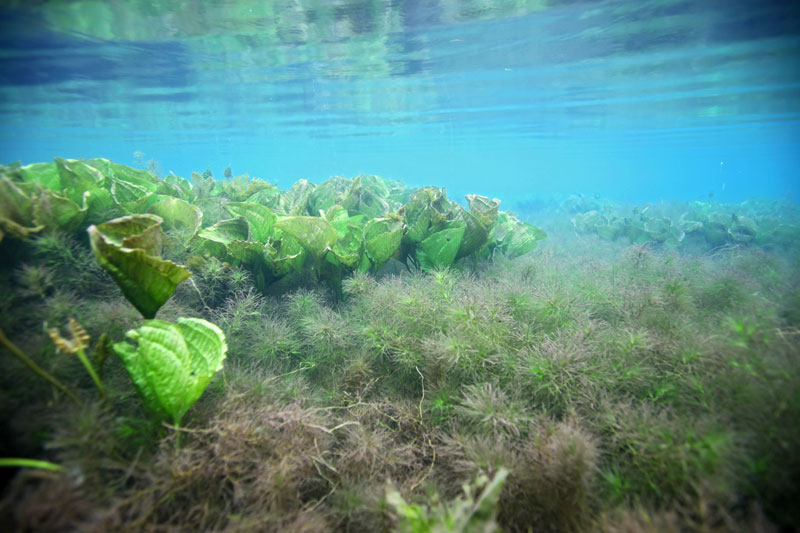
{"points": [[335, 214], [123, 191], [723, 219], [269, 197], [715, 233], [586, 222], [364, 265], [295, 201], [340, 219], [524, 238], [475, 233], [658, 229], [418, 226], [349, 249], [242, 187], [178, 215], [609, 229], [349, 245], [171, 189], [248, 252], [366, 196], [484, 209], [743, 230], [16, 211], [45, 174], [132, 199], [440, 249], [428, 207], [172, 364], [378, 185], [77, 178], [328, 194], [203, 187], [183, 186], [357, 219], [129, 248], [676, 236], [315, 234], [58, 212], [285, 254], [399, 195], [501, 230], [382, 238], [141, 205], [225, 231], [687, 225], [134, 176], [259, 217], [254, 257]]}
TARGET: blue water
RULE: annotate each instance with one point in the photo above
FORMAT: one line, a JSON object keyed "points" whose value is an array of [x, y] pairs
{"points": [[523, 100]]}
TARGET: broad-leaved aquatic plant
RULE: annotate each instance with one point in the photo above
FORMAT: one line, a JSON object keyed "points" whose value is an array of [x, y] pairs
{"points": [[129, 248], [173, 364]]}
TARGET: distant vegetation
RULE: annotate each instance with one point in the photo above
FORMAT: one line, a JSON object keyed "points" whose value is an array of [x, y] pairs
{"points": [[698, 226], [392, 360]]}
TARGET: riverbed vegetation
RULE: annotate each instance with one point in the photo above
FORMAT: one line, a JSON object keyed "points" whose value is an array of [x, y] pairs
{"points": [[358, 355]]}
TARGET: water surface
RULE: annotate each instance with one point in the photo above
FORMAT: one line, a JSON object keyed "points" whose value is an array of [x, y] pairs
{"points": [[516, 99]]}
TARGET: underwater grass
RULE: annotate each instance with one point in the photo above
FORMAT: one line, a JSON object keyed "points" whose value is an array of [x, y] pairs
{"points": [[593, 384]]}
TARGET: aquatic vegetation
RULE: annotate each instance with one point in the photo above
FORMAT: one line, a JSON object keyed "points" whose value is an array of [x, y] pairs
{"points": [[383, 348], [696, 225], [30, 363], [490, 410], [129, 248], [554, 478], [333, 229], [76, 344], [472, 512], [173, 364]]}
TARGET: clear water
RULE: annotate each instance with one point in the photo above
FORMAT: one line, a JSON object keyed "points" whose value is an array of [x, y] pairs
{"points": [[632, 100]]}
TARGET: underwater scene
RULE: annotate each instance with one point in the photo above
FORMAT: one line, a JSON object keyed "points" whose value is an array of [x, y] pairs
{"points": [[400, 265]]}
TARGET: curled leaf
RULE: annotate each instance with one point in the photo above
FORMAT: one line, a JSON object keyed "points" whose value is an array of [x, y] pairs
{"points": [[129, 248], [260, 218], [314, 234]]}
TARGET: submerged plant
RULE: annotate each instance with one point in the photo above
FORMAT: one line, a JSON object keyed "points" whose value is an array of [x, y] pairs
{"points": [[129, 248], [31, 364], [76, 344], [472, 512], [490, 409], [173, 363], [35, 280]]}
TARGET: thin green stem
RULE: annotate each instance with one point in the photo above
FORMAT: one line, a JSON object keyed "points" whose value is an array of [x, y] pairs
{"points": [[176, 425], [27, 361], [95, 377], [16, 462]]}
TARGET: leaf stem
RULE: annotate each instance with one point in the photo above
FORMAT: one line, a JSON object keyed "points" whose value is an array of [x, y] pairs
{"points": [[27, 361], [30, 463], [89, 368]]}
